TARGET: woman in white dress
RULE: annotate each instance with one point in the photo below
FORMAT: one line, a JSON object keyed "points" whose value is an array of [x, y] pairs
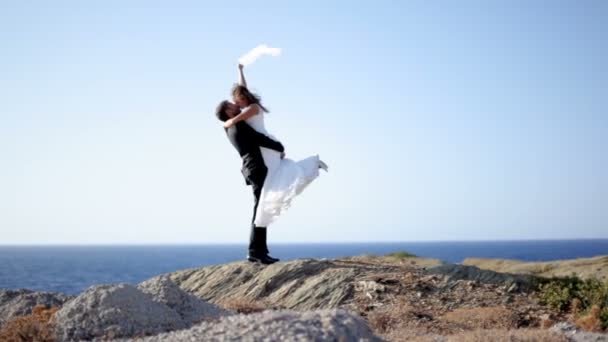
{"points": [[286, 178]]}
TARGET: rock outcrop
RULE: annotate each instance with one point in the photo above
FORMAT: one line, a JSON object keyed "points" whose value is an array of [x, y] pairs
{"points": [[307, 299], [394, 295], [104, 311], [302, 284], [282, 325], [20, 302], [512, 282], [122, 310], [583, 267], [190, 308], [306, 284], [573, 334]]}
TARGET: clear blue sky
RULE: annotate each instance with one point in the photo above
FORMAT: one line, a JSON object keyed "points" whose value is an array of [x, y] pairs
{"points": [[440, 120]]}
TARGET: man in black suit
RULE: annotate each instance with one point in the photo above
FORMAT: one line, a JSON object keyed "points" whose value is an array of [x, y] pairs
{"points": [[247, 142]]}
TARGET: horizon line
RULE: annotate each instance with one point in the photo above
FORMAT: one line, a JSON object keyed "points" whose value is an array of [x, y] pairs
{"points": [[292, 242]]}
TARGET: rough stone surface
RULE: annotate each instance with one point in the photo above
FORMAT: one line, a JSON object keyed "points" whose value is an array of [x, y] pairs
{"points": [[190, 308], [441, 302], [577, 335], [302, 284], [512, 282], [119, 310], [596, 267], [282, 325], [20, 302]]}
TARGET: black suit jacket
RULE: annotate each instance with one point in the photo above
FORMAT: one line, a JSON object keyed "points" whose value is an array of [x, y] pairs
{"points": [[247, 142]]}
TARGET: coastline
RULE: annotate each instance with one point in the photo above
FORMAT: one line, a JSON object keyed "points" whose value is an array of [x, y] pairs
{"points": [[421, 296]]}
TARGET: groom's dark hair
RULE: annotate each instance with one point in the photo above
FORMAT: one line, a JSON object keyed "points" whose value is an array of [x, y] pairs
{"points": [[220, 111]]}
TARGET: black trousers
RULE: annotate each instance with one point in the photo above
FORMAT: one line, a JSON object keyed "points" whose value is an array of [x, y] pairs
{"points": [[257, 192], [257, 235]]}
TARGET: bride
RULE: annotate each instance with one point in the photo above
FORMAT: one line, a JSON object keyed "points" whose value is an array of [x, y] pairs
{"points": [[286, 178]]}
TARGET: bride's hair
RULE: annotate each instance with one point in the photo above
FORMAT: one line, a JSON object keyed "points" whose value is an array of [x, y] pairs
{"points": [[220, 111], [251, 97]]}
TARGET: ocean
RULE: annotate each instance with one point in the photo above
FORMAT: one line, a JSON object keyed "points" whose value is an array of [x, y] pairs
{"points": [[71, 269]]}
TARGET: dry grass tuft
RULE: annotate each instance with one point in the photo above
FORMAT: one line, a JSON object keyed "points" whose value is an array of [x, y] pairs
{"points": [[392, 318], [575, 306], [546, 322], [495, 317], [591, 321], [34, 327], [382, 321], [244, 305]]}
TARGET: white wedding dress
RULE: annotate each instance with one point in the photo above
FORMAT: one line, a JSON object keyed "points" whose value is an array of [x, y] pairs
{"points": [[285, 180]]}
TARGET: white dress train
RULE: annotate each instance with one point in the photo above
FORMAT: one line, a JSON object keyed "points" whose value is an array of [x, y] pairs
{"points": [[285, 180]]}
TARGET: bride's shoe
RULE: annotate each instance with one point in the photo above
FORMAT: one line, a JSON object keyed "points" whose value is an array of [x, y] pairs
{"points": [[323, 166]]}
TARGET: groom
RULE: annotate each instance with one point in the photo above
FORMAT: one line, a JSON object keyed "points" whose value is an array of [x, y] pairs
{"points": [[247, 142]]}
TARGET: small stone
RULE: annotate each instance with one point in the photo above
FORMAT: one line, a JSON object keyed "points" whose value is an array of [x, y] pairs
{"points": [[370, 285], [546, 322]]}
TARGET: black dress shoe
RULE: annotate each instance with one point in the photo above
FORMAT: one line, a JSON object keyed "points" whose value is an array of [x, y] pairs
{"points": [[271, 258], [263, 259]]}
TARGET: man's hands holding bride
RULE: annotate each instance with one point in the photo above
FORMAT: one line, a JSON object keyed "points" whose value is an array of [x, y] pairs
{"points": [[228, 123]]}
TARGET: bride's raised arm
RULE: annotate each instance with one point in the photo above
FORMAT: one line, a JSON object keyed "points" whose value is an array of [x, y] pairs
{"points": [[252, 110], [242, 80]]}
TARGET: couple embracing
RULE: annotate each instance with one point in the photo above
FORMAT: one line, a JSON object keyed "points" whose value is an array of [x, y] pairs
{"points": [[274, 179]]}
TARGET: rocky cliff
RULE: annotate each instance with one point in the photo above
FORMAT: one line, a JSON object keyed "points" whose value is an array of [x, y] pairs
{"points": [[364, 298]]}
